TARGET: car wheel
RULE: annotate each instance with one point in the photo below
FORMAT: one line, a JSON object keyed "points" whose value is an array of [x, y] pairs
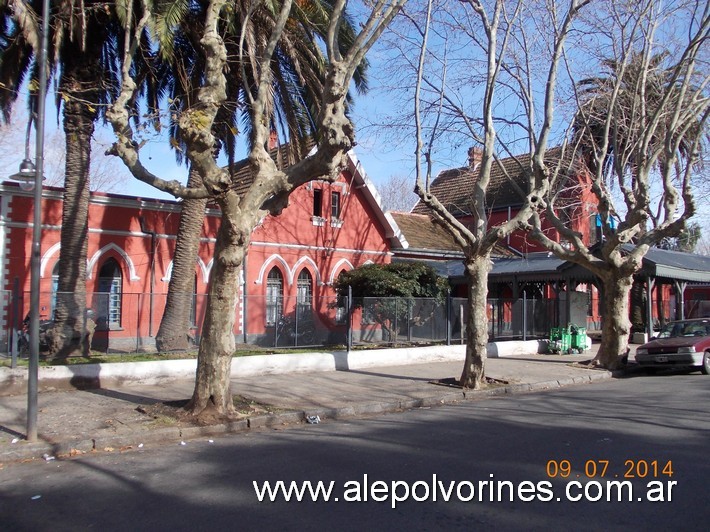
{"points": [[705, 369]]}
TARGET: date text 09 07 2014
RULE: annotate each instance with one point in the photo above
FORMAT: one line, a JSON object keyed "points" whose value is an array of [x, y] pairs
{"points": [[605, 469]]}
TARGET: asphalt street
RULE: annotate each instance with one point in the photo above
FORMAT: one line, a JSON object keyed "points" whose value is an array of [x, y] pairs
{"points": [[642, 429]]}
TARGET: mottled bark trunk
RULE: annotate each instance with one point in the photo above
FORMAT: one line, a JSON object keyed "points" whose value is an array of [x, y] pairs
{"points": [[212, 393], [474, 368], [68, 330], [173, 333], [616, 325]]}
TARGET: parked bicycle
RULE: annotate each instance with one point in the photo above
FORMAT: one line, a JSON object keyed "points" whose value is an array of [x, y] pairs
{"points": [[23, 335], [45, 326], [301, 332]]}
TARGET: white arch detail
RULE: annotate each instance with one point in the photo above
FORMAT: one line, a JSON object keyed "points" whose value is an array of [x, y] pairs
{"points": [[204, 268], [168, 273], [290, 272], [338, 265], [269, 261], [92, 262], [48, 255], [310, 261]]}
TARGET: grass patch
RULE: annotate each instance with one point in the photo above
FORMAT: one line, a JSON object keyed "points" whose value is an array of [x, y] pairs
{"points": [[243, 350], [97, 357], [103, 358]]}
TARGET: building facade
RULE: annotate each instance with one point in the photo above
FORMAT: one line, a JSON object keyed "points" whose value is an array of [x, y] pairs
{"points": [[290, 266]]}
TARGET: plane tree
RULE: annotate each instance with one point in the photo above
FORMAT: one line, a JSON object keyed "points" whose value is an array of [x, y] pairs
{"points": [[484, 67], [640, 129], [269, 187], [298, 71]]}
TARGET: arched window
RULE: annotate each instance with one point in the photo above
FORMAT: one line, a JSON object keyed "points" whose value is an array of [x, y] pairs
{"points": [[274, 296], [341, 314], [110, 285], [304, 297]]}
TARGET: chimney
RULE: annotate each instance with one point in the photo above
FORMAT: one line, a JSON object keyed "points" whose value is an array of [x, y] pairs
{"points": [[474, 157], [273, 140]]}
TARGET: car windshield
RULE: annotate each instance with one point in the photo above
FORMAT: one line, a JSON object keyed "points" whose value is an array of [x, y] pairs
{"points": [[685, 328]]}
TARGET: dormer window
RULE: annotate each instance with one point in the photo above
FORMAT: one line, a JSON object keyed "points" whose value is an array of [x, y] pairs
{"points": [[318, 202], [335, 205], [317, 217]]}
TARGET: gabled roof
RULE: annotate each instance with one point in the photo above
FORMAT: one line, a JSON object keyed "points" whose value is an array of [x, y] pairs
{"points": [[454, 188], [284, 155], [422, 234], [242, 179]]}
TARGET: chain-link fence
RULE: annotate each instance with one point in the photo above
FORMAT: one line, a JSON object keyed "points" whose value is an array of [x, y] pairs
{"points": [[302, 321], [128, 322], [398, 320], [509, 319]]}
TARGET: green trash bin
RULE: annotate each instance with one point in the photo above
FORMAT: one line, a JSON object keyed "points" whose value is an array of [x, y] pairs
{"points": [[570, 339], [578, 339], [560, 340]]}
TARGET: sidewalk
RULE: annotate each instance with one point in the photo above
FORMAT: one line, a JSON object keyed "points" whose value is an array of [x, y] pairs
{"points": [[107, 419]]}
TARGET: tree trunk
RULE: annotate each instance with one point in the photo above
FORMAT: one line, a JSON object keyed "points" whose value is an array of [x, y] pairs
{"points": [[473, 374], [616, 326], [173, 333], [212, 393], [66, 335]]}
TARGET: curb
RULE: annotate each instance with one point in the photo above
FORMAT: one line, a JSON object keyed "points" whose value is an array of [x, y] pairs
{"points": [[22, 451]]}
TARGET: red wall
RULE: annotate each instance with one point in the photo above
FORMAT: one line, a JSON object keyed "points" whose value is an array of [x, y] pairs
{"points": [[294, 241], [290, 242]]}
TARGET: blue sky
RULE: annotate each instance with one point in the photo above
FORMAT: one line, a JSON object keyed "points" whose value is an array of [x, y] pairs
{"points": [[384, 152], [380, 161]]}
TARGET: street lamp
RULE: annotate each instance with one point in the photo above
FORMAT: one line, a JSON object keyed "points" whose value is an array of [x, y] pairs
{"points": [[27, 179], [26, 175]]}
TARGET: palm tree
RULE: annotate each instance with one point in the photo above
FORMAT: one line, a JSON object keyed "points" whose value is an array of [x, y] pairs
{"points": [[298, 76], [84, 41], [635, 79], [612, 127]]}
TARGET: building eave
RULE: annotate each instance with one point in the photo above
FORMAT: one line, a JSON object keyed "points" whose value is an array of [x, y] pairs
{"points": [[362, 182]]}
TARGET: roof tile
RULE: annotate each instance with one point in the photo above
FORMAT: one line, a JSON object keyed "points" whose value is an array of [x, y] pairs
{"points": [[454, 187]]}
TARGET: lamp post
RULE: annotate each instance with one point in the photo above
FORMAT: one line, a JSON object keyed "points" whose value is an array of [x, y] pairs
{"points": [[28, 173]]}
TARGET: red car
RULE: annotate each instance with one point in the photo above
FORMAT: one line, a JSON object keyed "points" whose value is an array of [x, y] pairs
{"points": [[680, 343]]}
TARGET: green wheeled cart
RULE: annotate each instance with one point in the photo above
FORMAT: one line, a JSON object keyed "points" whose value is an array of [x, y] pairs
{"points": [[570, 339], [578, 340], [560, 340]]}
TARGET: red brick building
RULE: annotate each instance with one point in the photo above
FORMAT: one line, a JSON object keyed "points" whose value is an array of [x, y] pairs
{"points": [[510, 277], [291, 262]]}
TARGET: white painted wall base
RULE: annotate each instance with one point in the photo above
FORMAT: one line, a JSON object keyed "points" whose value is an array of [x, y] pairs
{"points": [[94, 375]]}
